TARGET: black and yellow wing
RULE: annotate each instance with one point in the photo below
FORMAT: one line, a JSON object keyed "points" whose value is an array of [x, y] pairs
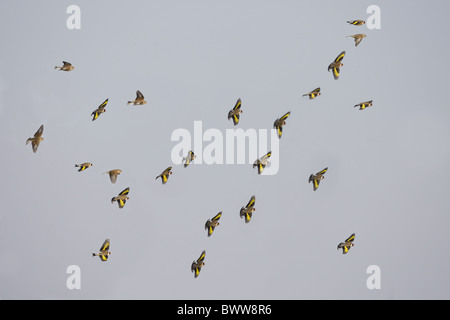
{"points": [[340, 57], [251, 202], [322, 172], [313, 94], [125, 192], [267, 155], [103, 105], [315, 184], [105, 246], [350, 239], [238, 104], [121, 202], [217, 216], [285, 116], [202, 256]]}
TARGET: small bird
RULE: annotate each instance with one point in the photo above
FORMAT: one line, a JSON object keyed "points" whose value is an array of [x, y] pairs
{"points": [[211, 224], [83, 166], [121, 198], [67, 66], [165, 175], [345, 246], [36, 139], [313, 94], [113, 174], [336, 65], [364, 105], [189, 158], [279, 123], [358, 38], [262, 162], [315, 178], [139, 99], [248, 210], [235, 112], [96, 113], [356, 22], [103, 253], [196, 266]]}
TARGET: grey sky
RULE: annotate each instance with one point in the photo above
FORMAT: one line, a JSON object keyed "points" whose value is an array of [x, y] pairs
{"points": [[388, 165]]}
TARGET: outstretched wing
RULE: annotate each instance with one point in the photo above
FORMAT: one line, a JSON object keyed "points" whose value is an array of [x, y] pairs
{"points": [[124, 192], [202, 256], [315, 184], [103, 105], [285, 116], [238, 104], [39, 131], [251, 202], [139, 95], [340, 57], [267, 155], [217, 216], [351, 238], [322, 172], [105, 246]]}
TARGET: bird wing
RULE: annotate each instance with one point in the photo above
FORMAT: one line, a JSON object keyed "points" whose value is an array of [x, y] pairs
{"points": [[139, 95], [322, 172], [251, 202], [202, 256], [124, 192], [340, 57], [238, 104], [39, 131], [105, 246], [217, 216]]}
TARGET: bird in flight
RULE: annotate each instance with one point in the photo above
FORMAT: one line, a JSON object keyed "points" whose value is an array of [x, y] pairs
{"points": [[121, 198], [315, 178], [313, 94], [336, 65], [139, 99], [235, 112], [189, 158], [262, 162], [211, 224], [280, 122], [83, 166], [103, 253], [356, 22], [96, 113], [67, 66], [248, 210], [36, 139], [347, 244], [196, 266], [113, 174], [165, 175], [358, 38], [364, 105]]}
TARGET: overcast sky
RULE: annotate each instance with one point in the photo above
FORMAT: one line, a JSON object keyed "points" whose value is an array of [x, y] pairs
{"points": [[388, 165]]}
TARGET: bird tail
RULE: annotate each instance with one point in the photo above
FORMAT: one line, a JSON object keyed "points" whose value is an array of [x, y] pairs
{"points": [[94, 254], [130, 102], [56, 67], [77, 165]]}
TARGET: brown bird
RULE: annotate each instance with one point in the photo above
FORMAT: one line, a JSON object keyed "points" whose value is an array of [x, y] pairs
{"points": [[113, 174], [36, 139], [67, 66], [358, 38], [336, 65], [139, 99]]}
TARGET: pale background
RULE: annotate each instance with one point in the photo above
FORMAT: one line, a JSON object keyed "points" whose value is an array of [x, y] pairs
{"points": [[388, 165]]}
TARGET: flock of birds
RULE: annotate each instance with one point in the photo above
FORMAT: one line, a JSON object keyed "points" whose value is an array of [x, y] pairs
{"points": [[234, 114]]}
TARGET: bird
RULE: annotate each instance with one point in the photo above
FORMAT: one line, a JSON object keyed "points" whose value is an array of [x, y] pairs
{"points": [[113, 174], [347, 244], [211, 224], [356, 22], [313, 94], [358, 38], [279, 123], [248, 210], [165, 175], [235, 112], [315, 178], [336, 65], [121, 198], [364, 105], [139, 99], [67, 66], [196, 266], [36, 139], [83, 166], [96, 113], [103, 253], [189, 158], [262, 162]]}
